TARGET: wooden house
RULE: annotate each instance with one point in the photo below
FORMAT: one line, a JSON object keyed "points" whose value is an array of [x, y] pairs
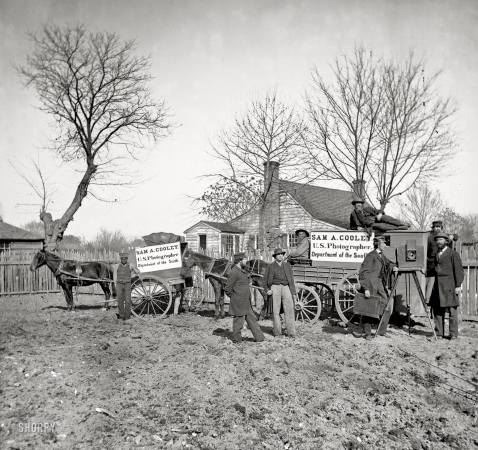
{"points": [[16, 239], [290, 206], [215, 237]]}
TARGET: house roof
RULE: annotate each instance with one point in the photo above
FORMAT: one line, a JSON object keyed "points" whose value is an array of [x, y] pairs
{"points": [[11, 233], [327, 205], [219, 226]]}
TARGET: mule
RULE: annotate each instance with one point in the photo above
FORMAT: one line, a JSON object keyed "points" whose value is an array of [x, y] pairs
{"points": [[221, 267], [93, 270]]}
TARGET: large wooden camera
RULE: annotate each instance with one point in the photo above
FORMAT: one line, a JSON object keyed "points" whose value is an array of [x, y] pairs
{"points": [[411, 255]]}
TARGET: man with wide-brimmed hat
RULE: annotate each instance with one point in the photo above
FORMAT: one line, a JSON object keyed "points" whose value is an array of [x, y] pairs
{"points": [[238, 290], [432, 250], [366, 218], [303, 247], [449, 275], [373, 277], [281, 285], [122, 274]]}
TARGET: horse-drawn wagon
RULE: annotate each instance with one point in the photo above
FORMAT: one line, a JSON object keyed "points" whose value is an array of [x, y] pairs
{"points": [[162, 276], [329, 280]]}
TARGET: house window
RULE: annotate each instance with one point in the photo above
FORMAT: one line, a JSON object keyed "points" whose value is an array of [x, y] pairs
{"points": [[237, 244], [293, 240], [229, 243], [202, 241]]}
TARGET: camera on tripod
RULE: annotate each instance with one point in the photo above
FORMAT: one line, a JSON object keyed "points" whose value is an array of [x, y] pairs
{"points": [[411, 256]]}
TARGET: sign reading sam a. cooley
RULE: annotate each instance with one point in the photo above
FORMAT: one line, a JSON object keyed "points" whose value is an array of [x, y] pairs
{"points": [[340, 246], [158, 257]]}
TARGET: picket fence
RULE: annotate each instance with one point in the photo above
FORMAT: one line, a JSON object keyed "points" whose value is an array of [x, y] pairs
{"points": [[16, 277]]}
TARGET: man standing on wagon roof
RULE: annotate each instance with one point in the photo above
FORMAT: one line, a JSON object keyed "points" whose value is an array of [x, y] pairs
{"points": [[122, 274], [238, 290], [303, 247]]}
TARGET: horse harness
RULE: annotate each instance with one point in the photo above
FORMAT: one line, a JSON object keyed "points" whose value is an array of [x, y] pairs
{"points": [[221, 276]]}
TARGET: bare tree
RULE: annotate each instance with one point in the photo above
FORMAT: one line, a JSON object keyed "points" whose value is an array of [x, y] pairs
{"points": [[344, 120], [227, 199], [266, 133], [415, 136], [420, 206], [42, 186], [96, 90], [381, 123]]}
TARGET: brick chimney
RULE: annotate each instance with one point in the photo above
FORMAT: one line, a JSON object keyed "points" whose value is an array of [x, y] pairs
{"points": [[269, 220], [358, 187]]}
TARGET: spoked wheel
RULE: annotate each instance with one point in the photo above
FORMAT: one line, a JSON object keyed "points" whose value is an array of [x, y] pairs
{"points": [[326, 296], [194, 297], [308, 306], [345, 294], [150, 297]]}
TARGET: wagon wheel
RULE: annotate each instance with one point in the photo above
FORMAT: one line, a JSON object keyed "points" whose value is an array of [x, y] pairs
{"points": [[150, 297], [327, 297], [308, 305], [195, 294], [345, 294], [194, 297]]}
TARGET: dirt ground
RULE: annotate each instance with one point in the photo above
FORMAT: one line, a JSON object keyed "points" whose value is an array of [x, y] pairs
{"points": [[181, 383]]}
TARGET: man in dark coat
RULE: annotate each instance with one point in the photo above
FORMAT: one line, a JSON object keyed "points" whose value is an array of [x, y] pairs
{"points": [[238, 290], [432, 250], [122, 274], [368, 218], [373, 276], [448, 278], [281, 285]]}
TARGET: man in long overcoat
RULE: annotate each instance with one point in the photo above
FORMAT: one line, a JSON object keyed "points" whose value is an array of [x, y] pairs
{"points": [[448, 278], [373, 276], [237, 289], [368, 218], [432, 250], [281, 285]]}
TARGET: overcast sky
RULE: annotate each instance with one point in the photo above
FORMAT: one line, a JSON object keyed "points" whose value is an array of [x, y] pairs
{"points": [[208, 59]]}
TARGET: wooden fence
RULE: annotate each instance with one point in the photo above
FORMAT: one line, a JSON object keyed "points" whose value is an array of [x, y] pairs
{"points": [[16, 277]]}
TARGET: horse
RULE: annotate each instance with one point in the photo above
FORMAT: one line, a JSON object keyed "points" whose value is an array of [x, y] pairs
{"points": [[71, 273], [217, 271]]}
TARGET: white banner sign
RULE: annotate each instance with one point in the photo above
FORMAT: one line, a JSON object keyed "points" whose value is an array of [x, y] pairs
{"points": [[340, 246], [158, 257]]}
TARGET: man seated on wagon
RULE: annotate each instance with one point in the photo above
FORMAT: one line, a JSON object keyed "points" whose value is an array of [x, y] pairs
{"points": [[302, 251], [367, 218]]}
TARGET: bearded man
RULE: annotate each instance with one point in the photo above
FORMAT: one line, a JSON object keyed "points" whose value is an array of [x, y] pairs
{"points": [[449, 275], [237, 289]]}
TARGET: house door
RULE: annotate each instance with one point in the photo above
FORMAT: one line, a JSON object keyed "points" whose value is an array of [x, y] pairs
{"points": [[202, 241]]}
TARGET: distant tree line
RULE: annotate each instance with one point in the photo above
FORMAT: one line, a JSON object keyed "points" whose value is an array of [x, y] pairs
{"points": [[104, 241]]}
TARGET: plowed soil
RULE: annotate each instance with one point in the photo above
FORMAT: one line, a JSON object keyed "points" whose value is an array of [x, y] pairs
{"points": [[179, 382]]}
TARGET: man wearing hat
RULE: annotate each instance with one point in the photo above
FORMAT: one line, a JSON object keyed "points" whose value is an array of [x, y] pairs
{"points": [[448, 278], [122, 274], [373, 276], [237, 289], [364, 218], [303, 247], [432, 250], [281, 285]]}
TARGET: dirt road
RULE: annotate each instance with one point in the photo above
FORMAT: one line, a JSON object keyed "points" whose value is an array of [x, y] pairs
{"points": [[84, 380]]}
